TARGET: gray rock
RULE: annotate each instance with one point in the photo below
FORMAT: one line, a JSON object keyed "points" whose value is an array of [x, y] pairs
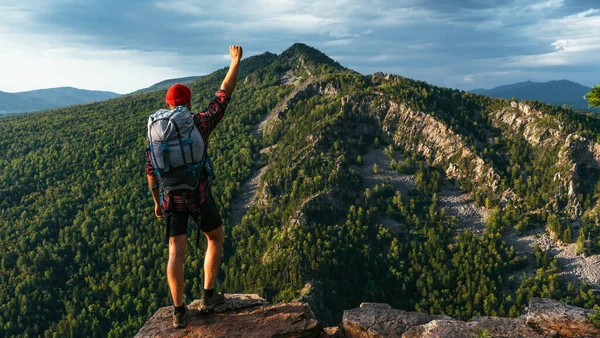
{"points": [[492, 327], [374, 320], [247, 316], [559, 318]]}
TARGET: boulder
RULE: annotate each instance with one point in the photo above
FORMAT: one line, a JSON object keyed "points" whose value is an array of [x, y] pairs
{"points": [[240, 316], [559, 319], [375, 320]]}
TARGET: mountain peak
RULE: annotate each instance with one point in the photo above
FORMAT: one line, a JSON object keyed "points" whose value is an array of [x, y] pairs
{"points": [[308, 55]]}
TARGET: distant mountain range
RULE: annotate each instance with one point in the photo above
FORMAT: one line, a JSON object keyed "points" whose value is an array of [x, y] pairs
{"points": [[44, 99], [552, 92]]}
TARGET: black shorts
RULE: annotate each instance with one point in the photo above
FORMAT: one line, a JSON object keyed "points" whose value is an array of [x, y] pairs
{"points": [[208, 217]]}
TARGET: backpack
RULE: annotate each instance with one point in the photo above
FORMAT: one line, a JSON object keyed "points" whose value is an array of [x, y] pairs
{"points": [[177, 150]]}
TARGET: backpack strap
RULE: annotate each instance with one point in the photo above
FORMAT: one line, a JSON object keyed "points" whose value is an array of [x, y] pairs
{"points": [[165, 151], [180, 141]]}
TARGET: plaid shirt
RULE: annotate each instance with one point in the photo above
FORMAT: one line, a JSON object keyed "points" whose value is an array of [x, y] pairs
{"points": [[205, 121]]}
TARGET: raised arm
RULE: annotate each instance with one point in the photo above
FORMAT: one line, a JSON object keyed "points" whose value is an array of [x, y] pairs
{"points": [[231, 78]]}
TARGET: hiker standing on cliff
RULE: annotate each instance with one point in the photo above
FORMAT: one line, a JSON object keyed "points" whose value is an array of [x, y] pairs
{"points": [[178, 169]]}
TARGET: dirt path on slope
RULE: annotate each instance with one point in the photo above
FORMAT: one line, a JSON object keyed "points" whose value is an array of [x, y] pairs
{"points": [[247, 194], [246, 197]]}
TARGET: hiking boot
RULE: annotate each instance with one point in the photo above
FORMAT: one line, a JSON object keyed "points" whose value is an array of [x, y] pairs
{"points": [[209, 303], [180, 319]]}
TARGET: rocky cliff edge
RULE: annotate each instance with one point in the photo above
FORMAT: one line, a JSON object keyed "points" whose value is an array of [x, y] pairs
{"points": [[252, 316]]}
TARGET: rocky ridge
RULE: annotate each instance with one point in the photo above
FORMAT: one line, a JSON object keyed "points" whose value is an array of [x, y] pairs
{"points": [[542, 130], [301, 92], [252, 316], [429, 137]]}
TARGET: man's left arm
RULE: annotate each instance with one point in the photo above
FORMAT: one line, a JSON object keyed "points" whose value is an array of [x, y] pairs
{"points": [[153, 186], [208, 119]]}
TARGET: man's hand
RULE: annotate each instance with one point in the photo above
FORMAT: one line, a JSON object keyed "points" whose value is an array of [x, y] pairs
{"points": [[158, 211], [236, 52], [230, 80]]}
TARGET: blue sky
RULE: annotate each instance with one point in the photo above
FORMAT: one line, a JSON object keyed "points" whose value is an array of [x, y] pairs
{"points": [[124, 45]]}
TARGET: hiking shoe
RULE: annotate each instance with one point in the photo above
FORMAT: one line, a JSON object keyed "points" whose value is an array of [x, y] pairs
{"points": [[180, 319], [209, 303]]}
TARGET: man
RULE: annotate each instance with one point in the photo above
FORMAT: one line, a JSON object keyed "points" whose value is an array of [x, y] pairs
{"points": [[199, 203]]}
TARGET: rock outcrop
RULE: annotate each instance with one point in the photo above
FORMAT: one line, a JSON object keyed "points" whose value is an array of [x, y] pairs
{"points": [[252, 316], [536, 127], [577, 152], [302, 92], [380, 320], [544, 318], [544, 131], [424, 134], [479, 327], [240, 316], [558, 319]]}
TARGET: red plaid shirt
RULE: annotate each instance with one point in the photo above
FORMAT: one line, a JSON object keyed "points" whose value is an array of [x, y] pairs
{"points": [[205, 121]]}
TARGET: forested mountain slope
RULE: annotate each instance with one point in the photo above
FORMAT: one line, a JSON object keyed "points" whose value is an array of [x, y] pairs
{"points": [[83, 254]]}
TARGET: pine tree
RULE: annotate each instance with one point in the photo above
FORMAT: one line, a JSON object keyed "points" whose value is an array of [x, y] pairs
{"points": [[567, 237], [581, 242], [593, 96]]}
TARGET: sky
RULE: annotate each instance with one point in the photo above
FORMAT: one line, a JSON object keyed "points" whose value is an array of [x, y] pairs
{"points": [[125, 45]]}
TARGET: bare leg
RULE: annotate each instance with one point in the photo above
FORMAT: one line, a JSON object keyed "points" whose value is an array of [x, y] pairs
{"points": [[177, 247], [212, 259]]}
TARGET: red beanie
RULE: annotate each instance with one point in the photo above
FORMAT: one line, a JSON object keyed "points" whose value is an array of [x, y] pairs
{"points": [[178, 94]]}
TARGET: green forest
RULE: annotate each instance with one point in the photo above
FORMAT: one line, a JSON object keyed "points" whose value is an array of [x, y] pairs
{"points": [[84, 256]]}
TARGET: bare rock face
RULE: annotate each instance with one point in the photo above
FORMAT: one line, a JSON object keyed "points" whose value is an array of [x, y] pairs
{"points": [[531, 123], [333, 332], [431, 138], [239, 316], [492, 327], [302, 92], [504, 327], [543, 130], [373, 320], [441, 328], [575, 153], [545, 318], [558, 319]]}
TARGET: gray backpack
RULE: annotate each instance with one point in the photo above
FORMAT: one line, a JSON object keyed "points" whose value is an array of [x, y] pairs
{"points": [[177, 150]]}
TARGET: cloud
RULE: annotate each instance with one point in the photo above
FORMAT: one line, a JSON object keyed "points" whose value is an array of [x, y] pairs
{"points": [[339, 42], [468, 79], [380, 57], [182, 7], [545, 5], [575, 39], [53, 66], [474, 78]]}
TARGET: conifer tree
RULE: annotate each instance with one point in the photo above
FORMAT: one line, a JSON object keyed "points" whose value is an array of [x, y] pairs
{"points": [[593, 96]]}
